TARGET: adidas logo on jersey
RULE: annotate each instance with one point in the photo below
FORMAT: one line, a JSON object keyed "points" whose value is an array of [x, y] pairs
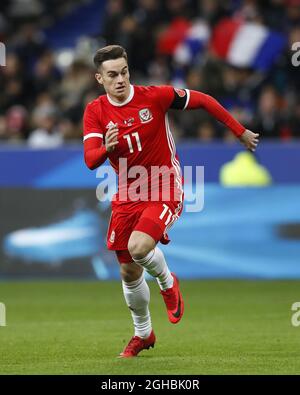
{"points": [[110, 124], [129, 121]]}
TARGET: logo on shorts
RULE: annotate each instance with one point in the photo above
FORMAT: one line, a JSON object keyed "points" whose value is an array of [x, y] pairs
{"points": [[145, 115], [112, 236]]}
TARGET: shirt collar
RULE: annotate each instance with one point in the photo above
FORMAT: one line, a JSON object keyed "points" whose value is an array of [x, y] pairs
{"points": [[129, 98]]}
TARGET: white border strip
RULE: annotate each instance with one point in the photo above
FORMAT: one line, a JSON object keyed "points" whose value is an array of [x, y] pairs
{"points": [[187, 98], [176, 165], [88, 136]]}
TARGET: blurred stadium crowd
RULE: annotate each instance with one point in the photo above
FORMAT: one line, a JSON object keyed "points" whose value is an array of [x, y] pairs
{"points": [[42, 100]]}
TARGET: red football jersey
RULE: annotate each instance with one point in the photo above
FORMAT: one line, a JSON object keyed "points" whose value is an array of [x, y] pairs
{"points": [[145, 140]]}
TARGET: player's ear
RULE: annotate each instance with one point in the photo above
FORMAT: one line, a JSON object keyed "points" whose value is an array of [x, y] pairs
{"points": [[98, 77]]}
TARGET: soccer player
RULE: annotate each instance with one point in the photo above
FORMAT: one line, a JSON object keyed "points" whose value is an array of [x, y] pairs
{"points": [[129, 126]]}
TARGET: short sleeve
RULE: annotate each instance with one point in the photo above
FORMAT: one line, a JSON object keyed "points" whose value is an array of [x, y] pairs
{"points": [[91, 123], [165, 96], [94, 149]]}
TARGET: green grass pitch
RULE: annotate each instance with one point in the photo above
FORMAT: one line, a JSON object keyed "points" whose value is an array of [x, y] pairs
{"points": [[229, 327]]}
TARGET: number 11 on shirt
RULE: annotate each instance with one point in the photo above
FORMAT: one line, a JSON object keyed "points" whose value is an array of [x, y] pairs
{"points": [[138, 141]]}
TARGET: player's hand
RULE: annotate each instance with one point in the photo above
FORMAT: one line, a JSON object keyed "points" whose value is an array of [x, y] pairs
{"points": [[111, 138], [249, 139]]}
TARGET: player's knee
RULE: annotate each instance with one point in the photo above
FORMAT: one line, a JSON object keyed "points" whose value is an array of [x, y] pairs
{"points": [[130, 272], [126, 276], [138, 250], [139, 245]]}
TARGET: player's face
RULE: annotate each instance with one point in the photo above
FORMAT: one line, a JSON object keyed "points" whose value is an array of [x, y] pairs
{"points": [[114, 76]]}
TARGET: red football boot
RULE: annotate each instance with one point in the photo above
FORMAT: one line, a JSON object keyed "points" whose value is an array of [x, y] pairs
{"points": [[174, 301], [137, 344]]}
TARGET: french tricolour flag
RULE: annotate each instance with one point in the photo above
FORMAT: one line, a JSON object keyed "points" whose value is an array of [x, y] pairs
{"points": [[245, 44], [194, 43], [188, 50]]}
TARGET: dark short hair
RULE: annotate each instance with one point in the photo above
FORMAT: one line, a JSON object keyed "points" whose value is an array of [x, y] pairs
{"points": [[108, 53]]}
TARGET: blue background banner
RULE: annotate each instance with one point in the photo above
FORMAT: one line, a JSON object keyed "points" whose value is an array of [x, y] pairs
{"points": [[53, 226], [64, 168], [241, 233]]}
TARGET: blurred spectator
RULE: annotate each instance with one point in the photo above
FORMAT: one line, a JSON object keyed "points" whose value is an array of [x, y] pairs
{"points": [[3, 130], [268, 121], [292, 124], [39, 92], [211, 10], [17, 123], [25, 9], [115, 12], [46, 135], [293, 12], [46, 74], [30, 45], [177, 9], [13, 83], [77, 80], [70, 130], [206, 132], [148, 17]]}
